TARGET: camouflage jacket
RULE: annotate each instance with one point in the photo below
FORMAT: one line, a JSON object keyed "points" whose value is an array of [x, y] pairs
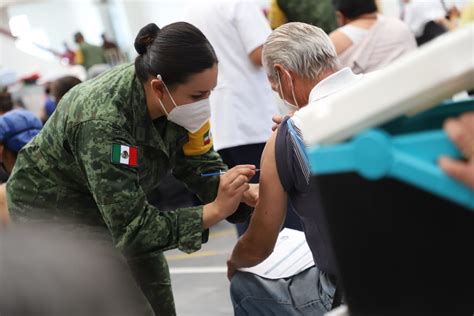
{"points": [[67, 173], [316, 12]]}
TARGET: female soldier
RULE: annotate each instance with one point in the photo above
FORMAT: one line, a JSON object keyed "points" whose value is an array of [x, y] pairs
{"points": [[113, 138]]}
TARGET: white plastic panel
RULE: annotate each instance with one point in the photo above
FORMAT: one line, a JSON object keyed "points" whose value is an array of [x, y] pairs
{"points": [[414, 83]]}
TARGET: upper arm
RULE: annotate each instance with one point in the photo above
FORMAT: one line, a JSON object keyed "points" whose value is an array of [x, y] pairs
{"points": [[256, 56], [270, 211], [340, 40], [136, 227], [109, 182]]}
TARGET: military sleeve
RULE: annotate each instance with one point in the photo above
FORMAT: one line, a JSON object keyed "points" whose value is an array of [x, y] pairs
{"points": [[188, 169], [136, 227], [198, 157]]}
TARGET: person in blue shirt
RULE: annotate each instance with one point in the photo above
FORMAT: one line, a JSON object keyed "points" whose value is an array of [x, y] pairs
{"points": [[17, 128], [56, 90]]}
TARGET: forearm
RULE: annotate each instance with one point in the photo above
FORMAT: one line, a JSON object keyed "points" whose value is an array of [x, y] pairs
{"points": [[246, 254], [210, 215], [148, 229]]}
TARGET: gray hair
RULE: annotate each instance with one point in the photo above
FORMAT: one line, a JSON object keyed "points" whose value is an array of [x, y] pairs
{"points": [[299, 47]]}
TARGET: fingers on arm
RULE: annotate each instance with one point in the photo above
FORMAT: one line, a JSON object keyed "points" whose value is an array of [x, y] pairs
{"points": [[459, 170]]}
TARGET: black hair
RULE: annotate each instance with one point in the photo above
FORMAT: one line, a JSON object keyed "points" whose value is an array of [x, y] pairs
{"points": [[175, 52], [354, 8], [78, 35], [62, 85], [6, 102]]}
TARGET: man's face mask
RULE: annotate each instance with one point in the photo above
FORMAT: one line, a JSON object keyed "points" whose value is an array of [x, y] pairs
{"points": [[191, 116], [291, 107]]}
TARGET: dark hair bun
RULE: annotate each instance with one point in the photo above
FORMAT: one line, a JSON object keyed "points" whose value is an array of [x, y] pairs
{"points": [[145, 37]]}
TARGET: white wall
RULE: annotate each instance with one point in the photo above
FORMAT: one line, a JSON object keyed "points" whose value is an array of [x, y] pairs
{"points": [[53, 22], [390, 7], [23, 63], [57, 21]]}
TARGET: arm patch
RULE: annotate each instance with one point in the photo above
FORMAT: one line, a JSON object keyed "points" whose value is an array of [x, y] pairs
{"points": [[200, 142]]}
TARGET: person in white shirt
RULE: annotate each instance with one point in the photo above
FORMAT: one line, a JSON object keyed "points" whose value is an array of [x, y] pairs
{"points": [[242, 104], [429, 19], [366, 40]]}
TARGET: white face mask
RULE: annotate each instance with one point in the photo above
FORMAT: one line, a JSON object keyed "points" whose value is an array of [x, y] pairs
{"points": [[191, 116], [291, 107]]}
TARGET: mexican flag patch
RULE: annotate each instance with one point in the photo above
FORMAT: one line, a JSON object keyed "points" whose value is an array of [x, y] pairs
{"points": [[207, 137], [125, 155]]}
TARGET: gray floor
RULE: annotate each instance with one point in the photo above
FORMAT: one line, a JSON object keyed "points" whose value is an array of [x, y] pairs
{"points": [[200, 285]]}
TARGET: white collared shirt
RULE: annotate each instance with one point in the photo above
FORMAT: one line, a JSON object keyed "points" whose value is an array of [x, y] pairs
{"points": [[336, 82]]}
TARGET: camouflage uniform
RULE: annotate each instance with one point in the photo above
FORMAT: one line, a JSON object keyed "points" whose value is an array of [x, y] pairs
{"points": [[65, 175], [320, 13]]}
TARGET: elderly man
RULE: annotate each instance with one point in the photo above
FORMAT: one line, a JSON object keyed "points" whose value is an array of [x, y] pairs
{"points": [[302, 66]]}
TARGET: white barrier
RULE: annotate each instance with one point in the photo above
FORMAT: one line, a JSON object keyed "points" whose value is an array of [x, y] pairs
{"points": [[414, 83]]}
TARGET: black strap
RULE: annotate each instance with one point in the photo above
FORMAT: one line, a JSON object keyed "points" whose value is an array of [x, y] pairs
{"points": [[337, 298]]}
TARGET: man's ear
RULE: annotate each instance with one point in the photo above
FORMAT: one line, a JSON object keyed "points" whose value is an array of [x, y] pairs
{"points": [[341, 20], [283, 73], [2, 148], [278, 69], [158, 87]]}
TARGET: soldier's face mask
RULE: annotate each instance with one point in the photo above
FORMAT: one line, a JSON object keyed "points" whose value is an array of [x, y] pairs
{"points": [[291, 107], [191, 116]]}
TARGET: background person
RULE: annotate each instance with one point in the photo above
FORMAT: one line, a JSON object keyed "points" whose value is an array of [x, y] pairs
{"points": [[88, 55], [242, 104], [319, 13], [366, 40], [17, 128]]}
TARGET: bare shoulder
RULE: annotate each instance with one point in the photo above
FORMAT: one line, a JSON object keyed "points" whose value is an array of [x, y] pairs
{"points": [[340, 40]]}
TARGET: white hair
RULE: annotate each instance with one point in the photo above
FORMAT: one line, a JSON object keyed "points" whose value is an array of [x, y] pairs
{"points": [[302, 48]]}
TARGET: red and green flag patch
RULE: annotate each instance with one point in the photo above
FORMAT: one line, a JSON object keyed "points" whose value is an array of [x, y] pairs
{"points": [[125, 155], [207, 137]]}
